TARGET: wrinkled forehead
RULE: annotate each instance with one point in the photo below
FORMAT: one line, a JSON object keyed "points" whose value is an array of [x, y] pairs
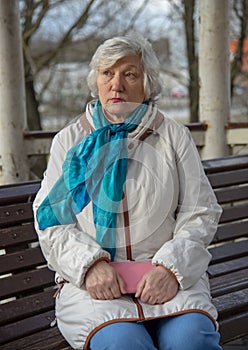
{"points": [[127, 62], [108, 62]]}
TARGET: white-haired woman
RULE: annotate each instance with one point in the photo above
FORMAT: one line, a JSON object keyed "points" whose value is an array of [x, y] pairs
{"points": [[125, 185]]}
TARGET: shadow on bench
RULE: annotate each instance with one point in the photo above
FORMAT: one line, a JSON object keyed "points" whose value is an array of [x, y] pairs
{"points": [[27, 286]]}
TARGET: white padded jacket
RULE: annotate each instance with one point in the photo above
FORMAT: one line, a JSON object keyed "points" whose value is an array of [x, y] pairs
{"points": [[169, 216]]}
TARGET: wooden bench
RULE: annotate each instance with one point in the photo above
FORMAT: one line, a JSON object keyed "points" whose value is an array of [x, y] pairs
{"points": [[228, 270], [27, 285]]}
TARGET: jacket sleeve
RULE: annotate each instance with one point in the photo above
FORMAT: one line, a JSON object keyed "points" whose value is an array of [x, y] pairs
{"points": [[68, 250], [196, 218]]}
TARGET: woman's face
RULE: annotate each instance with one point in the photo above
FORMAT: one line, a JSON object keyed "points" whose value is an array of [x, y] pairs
{"points": [[122, 82]]}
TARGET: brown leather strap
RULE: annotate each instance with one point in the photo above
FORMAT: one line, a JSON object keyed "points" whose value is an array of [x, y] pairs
{"points": [[127, 228], [86, 124], [157, 121]]}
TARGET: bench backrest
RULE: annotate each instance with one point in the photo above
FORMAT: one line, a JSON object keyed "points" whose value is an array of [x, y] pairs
{"points": [[229, 178], [228, 269], [27, 285]]}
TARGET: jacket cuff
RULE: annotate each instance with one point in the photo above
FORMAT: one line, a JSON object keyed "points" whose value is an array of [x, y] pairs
{"points": [[103, 258], [168, 270]]}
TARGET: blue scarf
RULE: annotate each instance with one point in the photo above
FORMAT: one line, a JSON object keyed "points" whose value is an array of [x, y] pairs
{"points": [[94, 170]]}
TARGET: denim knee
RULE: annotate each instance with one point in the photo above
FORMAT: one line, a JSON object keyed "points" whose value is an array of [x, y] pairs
{"points": [[122, 336], [191, 331]]}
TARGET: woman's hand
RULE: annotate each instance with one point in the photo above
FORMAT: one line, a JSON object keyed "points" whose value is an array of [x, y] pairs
{"points": [[157, 286], [103, 282]]}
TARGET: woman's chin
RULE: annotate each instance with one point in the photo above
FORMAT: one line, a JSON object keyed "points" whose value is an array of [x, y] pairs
{"points": [[120, 110]]}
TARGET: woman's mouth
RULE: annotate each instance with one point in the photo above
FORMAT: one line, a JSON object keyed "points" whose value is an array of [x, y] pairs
{"points": [[116, 100]]}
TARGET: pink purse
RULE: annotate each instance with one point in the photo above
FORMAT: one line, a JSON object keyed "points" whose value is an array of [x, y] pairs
{"points": [[132, 272]]}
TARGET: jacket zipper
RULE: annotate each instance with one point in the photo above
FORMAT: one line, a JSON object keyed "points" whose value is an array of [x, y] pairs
{"points": [[139, 308], [127, 227], [129, 250]]}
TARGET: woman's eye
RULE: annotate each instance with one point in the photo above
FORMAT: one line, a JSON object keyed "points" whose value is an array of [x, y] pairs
{"points": [[130, 75], [107, 73]]}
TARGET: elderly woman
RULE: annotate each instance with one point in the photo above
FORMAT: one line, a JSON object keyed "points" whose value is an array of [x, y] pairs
{"points": [[125, 184]]}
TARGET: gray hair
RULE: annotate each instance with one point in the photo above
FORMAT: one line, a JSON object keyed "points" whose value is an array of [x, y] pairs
{"points": [[116, 48]]}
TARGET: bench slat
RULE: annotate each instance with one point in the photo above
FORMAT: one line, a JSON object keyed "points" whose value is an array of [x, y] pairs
{"points": [[226, 163], [237, 212], [229, 251], [228, 266], [228, 178], [26, 326], [49, 339], [231, 230], [19, 193], [229, 331], [228, 283], [235, 302], [16, 214], [12, 236], [233, 194], [26, 259], [27, 281], [27, 306]]}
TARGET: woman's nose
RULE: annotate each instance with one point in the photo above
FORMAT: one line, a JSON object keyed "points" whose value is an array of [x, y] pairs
{"points": [[117, 83]]}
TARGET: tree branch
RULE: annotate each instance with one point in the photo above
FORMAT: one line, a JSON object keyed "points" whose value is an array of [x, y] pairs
{"points": [[136, 16], [78, 23], [236, 65], [28, 33]]}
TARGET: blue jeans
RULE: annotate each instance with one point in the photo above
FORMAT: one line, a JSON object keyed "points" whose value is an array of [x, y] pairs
{"points": [[191, 331]]}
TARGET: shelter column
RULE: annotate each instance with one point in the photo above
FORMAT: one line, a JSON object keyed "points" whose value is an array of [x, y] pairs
{"points": [[214, 74], [13, 160]]}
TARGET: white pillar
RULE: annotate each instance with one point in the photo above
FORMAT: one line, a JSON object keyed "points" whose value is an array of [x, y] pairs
{"points": [[13, 162], [214, 74]]}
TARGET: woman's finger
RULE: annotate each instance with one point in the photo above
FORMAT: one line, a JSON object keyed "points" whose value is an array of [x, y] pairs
{"points": [[140, 287], [121, 284]]}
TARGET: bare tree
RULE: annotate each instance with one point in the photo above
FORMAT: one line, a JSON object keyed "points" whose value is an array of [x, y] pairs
{"points": [[187, 12], [29, 8], [81, 27], [33, 13], [192, 58], [49, 42], [240, 9]]}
